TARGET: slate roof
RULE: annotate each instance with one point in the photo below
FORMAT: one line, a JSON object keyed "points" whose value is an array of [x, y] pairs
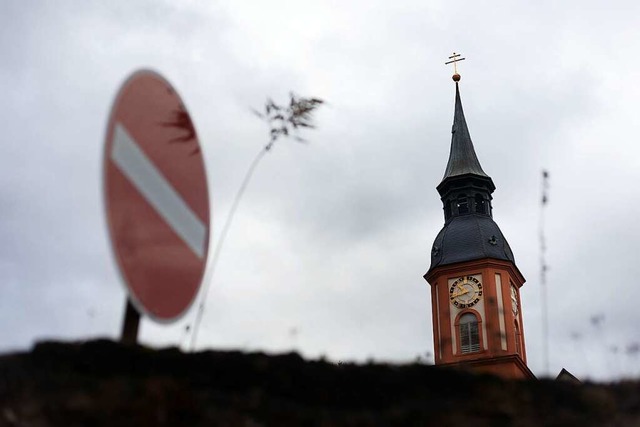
{"points": [[567, 376], [462, 157], [469, 237]]}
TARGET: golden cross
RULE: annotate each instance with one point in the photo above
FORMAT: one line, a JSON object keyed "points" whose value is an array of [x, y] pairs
{"points": [[455, 58]]}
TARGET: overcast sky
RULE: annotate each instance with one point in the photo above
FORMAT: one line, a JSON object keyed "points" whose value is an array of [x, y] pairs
{"points": [[329, 245]]}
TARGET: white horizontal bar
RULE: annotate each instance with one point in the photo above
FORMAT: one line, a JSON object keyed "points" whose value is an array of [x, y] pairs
{"points": [[156, 190]]}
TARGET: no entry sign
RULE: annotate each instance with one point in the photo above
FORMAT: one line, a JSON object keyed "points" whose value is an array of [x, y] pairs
{"points": [[156, 197]]}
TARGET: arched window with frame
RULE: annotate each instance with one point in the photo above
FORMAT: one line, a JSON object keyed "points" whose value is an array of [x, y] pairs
{"points": [[469, 336], [462, 204], [517, 337], [481, 205]]}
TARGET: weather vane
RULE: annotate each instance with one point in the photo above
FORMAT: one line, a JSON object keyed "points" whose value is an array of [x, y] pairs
{"points": [[454, 59]]}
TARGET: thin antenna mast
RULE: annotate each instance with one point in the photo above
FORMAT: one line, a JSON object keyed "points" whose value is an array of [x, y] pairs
{"points": [[543, 273]]}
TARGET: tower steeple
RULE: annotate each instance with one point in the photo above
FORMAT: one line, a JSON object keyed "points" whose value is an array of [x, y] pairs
{"points": [[465, 187], [462, 157], [475, 284]]}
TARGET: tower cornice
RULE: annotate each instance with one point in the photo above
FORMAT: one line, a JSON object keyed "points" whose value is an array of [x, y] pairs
{"points": [[479, 264], [489, 364]]}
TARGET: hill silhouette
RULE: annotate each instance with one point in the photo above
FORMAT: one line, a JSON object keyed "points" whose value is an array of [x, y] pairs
{"points": [[103, 383]]}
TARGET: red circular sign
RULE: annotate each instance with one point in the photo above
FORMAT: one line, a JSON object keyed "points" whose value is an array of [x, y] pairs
{"points": [[156, 196]]}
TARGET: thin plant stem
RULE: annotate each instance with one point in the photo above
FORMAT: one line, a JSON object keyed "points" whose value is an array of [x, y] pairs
{"points": [[282, 121], [221, 240]]}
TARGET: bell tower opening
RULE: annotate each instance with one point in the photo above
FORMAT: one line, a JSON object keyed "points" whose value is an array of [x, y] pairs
{"points": [[481, 207], [462, 204]]}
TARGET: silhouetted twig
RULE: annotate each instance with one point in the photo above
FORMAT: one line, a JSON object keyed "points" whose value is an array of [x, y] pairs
{"points": [[283, 121], [181, 120]]}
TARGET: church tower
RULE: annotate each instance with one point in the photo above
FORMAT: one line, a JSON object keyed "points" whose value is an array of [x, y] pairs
{"points": [[475, 284]]}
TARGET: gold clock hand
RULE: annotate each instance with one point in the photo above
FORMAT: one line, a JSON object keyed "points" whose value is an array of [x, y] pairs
{"points": [[460, 292]]}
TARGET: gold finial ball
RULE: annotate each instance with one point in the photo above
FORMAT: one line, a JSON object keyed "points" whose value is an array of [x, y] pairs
{"points": [[456, 77]]}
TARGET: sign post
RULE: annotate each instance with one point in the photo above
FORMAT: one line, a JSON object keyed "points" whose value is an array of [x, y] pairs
{"points": [[156, 199], [130, 324]]}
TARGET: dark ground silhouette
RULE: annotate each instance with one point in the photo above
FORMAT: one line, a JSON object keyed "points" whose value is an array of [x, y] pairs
{"points": [[102, 383]]}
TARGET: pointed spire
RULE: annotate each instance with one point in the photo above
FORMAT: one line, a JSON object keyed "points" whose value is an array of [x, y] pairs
{"points": [[462, 157]]}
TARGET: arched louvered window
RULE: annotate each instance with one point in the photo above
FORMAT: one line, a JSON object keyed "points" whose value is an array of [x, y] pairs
{"points": [[463, 204], [518, 340], [481, 206], [469, 336]]}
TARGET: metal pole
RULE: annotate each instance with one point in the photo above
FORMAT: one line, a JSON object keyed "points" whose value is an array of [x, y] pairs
{"points": [[543, 274], [130, 324]]}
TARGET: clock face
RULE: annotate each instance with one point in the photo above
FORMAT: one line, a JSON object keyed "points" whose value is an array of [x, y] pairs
{"points": [[465, 292], [514, 300]]}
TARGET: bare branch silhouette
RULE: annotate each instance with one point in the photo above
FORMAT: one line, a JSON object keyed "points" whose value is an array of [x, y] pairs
{"points": [[283, 122], [181, 120]]}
